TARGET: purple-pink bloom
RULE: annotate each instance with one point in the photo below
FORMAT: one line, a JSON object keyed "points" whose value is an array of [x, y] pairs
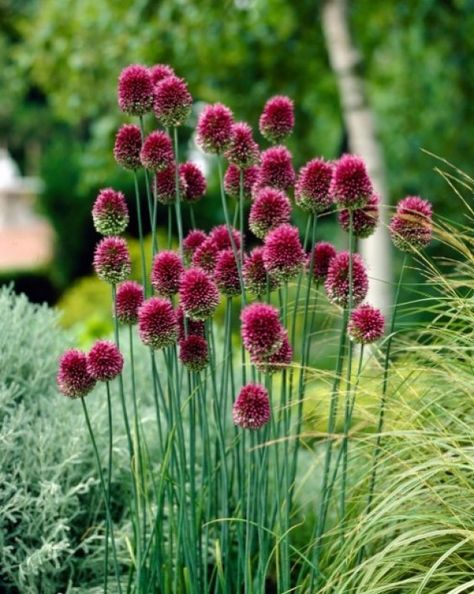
{"points": [[198, 293], [128, 143], [112, 260], [110, 212], [191, 328], [251, 409], [195, 184], [104, 361], [277, 119], [262, 332], [278, 360], [157, 323], [166, 273], [364, 219], [283, 254], [165, 185], [276, 169], [214, 128], [312, 186], [411, 227], [172, 101], [193, 352], [191, 242], [337, 280], [73, 378], [270, 209], [159, 72], [232, 181], [243, 151], [323, 253], [226, 273], [366, 324], [135, 90], [205, 255], [128, 300], [221, 237], [157, 151], [350, 186], [255, 276]]}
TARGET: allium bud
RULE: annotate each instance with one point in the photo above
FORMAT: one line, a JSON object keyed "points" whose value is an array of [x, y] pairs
{"points": [[128, 300], [278, 361], [191, 242], [104, 361], [198, 294], [159, 72], [337, 280], [226, 273], [270, 209], [278, 118], [205, 255], [350, 186], [112, 260], [243, 151], [157, 323], [323, 253], [166, 273], [191, 328], [110, 212], [251, 409], [214, 128], [276, 169], [220, 236], [366, 324], [411, 226], [73, 379], [165, 185], [172, 101], [135, 90], [364, 220], [283, 254], [193, 352], [255, 275], [128, 144], [232, 181], [195, 184], [262, 332], [157, 151], [312, 186]]}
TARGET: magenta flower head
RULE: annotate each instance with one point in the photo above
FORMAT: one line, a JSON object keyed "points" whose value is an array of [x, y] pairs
{"points": [[191, 328], [166, 273], [73, 378], [157, 323], [128, 144], [191, 242], [312, 186], [128, 300], [198, 294], [323, 253], [255, 275], [172, 101], [232, 181], [226, 273], [214, 128], [195, 184], [276, 169], [366, 324], [193, 352], [350, 186], [243, 151], [135, 90], [104, 361], [111, 260], [283, 254], [110, 212], [220, 236], [205, 255], [277, 119], [270, 208], [262, 332], [165, 185], [278, 361], [157, 151], [337, 280], [251, 409], [364, 220], [159, 72], [411, 227]]}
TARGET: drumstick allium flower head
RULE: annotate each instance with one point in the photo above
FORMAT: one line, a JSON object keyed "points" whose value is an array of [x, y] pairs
{"points": [[411, 227], [278, 361], [226, 273], [337, 280], [193, 352], [135, 90], [366, 324], [195, 184], [198, 294], [172, 101], [220, 236], [157, 151], [270, 208], [364, 220], [157, 323], [232, 181], [214, 128], [191, 242], [111, 260], [323, 253], [243, 151], [350, 186], [276, 169], [262, 332], [192, 327], [255, 276], [128, 300], [278, 119], [159, 72], [165, 185], [128, 143], [73, 378], [110, 212], [104, 361], [283, 254], [166, 273], [312, 186], [251, 409], [205, 255]]}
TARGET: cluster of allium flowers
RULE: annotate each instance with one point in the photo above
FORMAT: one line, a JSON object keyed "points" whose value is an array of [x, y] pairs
{"points": [[251, 409], [104, 361], [191, 327], [195, 184], [411, 227], [312, 186], [283, 254], [166, 273], [157, 151], [270, 209], [226, 273], [255, 276], [232, 181], [193, 352], [337, 280], [198, 294], [366, 324], [159, 72], [364, 220], [205, 255], [172, 101], [128, 143], [276, 169], [262, 332], [110, 212], [214, 128], [221, 237], [157, 323], [128, 300], [165, 185], [278, 118], [278, 361], [323, 253], [112, 260], [73, 378], [191, 242], [350, 186], [135, 90], [243, 151]]}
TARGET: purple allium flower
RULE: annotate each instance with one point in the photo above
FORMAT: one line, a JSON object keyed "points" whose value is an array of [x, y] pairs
{"points": [[251, 409], [165, 185], [337, 280], [243, 151], [72, 378], [157, 151], [255, 275], [104, 361], [232, 181], [112, 260], [193, 352], [135, 90], [411, 226], [205, 255], [366, 324], [191, 242], [220, 236], [194, 182], [198, 294], [270, 209], [323, 253], [128, 143], [214, 128], [350, 186], [159, 72], [276, 169], [283, 254], [191, 328], [262, 332], [226, 273], [278, 361], [157, 323], [166, 272], [277, 119], [312, 186], [128, 300], [364, 220], [110, 212], [172, 101]]}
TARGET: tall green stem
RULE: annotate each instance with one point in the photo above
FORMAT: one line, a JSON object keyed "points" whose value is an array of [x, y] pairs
{"points": [[179, 219], [140, 233]]}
